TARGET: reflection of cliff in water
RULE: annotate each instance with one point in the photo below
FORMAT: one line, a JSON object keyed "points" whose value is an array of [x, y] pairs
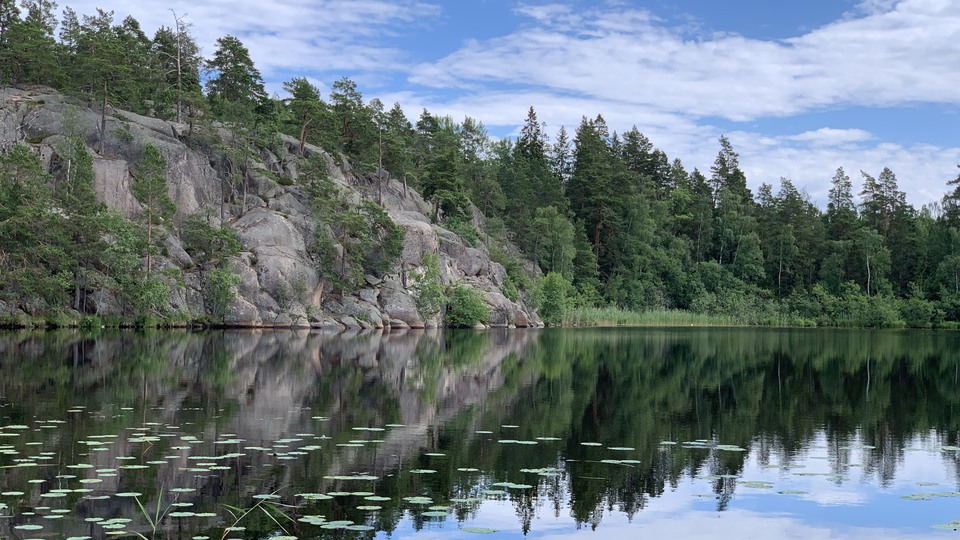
{"points": [[865, 397], [265, 374], [263, 384], [256, 386]]}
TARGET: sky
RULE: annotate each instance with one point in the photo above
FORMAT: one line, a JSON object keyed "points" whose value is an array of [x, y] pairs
{"points": [[799, 88]]}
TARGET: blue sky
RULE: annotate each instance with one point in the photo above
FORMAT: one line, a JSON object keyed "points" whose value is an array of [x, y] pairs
{"points": [[800, 88]]}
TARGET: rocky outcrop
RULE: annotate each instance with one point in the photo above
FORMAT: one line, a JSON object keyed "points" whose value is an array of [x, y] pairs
{"points": [[280, 283]]}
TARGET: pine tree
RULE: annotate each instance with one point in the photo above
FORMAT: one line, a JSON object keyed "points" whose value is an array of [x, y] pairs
{"points": [[305, 106], [150, 189], [234, 79], [592, 190], [35, 262], [27, 46], [442, 182], [177, 61]]}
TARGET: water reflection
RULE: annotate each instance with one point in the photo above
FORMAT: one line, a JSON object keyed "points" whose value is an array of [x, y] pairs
{"points": [[773, 426]]}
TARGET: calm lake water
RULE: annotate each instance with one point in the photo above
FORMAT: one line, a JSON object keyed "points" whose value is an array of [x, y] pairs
{"points": [[599, 433]]}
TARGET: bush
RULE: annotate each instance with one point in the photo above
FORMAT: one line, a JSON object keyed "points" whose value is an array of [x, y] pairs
{"points": [[60, 319], [146, 321], [218, 292], [90, 322], [464, 227], [430, 294], [206, 243], [553, 298], [466, 308]]}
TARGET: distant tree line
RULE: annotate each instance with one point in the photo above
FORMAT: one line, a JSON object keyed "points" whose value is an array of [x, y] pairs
{"points": [[610, 219]]}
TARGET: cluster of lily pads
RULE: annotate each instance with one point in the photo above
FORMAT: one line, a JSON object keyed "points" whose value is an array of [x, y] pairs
{"points": [[98, 472], [74, 475]]}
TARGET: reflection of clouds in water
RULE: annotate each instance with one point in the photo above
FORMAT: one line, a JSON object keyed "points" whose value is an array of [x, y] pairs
{"points": [[835, 497], [732, 524]]}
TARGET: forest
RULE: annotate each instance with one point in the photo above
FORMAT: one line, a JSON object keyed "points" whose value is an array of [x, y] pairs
{"points": [[610, 220]]}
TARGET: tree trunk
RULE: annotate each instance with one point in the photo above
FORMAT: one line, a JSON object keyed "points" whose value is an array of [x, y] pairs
{"points": [[303, 136], [103, 120], [596, 235], [149, 245]]}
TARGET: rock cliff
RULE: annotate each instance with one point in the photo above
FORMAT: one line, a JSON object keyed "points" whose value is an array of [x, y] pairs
{"points": [[279, 280]]}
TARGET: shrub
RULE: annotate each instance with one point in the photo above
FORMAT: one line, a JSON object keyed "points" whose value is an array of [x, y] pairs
{"points": [[553, 298], [90, 322], [219, 293], [466, 307], [430, 294]]}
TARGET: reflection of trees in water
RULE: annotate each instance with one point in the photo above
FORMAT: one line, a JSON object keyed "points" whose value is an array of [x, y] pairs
{"points": [[772, 392]]}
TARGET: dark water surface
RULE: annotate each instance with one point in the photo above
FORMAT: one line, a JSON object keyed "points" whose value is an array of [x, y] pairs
{"points": [[649, 433]]}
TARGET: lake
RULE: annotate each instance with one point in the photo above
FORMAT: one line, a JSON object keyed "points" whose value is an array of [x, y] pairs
{"points": [[553, 433]]}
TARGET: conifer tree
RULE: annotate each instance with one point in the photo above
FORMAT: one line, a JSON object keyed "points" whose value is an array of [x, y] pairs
{"points": [[150, 189]]}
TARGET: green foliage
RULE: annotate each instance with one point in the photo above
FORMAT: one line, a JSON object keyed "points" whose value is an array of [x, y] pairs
{"points": [[431, 295], [555, 244], [592, 316], [918, 312], [235, 81], [441, 180], [90, 322], [553, 298], [150, 188], [34, 241], [370, 242], [612, 214], [208, 245], [465, 307], [218, 292], [517, 278], [464, 227]]}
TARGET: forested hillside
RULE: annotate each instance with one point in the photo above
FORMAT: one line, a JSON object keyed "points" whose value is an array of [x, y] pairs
{"points": [[610, 219]]}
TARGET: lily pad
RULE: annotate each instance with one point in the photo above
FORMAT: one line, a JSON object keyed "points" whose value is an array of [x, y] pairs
{"points": [[757, 484], [478, 530], [434, 513]]}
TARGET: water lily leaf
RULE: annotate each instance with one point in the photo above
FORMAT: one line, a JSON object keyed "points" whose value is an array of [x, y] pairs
{"points": [[757, 484], [348, 478]]}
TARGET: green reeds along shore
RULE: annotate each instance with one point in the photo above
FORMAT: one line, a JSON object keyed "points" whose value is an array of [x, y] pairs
{"points": [[592, 316]]}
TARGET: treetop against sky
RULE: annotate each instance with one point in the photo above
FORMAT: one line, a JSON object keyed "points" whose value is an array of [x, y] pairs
{"points": [[800, 89]]}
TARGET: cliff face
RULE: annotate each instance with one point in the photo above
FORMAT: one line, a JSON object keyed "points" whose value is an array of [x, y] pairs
{"points": [[274, 224]]}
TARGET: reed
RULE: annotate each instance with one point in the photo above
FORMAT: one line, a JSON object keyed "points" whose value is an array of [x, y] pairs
{"points": [[608, 316]]}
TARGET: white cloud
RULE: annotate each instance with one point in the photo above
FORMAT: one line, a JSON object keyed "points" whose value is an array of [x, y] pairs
{"points": [[899, 55], [673, 82], [628, 65], [831, 136], [335, 35]]}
